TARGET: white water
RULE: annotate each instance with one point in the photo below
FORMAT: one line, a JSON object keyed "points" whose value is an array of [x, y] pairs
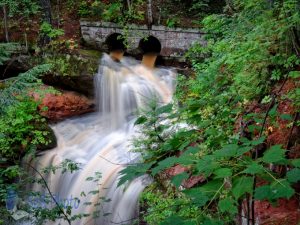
{"points": [[101, 142]]}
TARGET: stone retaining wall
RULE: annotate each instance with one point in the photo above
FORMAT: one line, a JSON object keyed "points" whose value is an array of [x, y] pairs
{"points": [[174, 41]]}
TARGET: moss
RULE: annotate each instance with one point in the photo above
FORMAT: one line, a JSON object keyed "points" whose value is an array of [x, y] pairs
{"points": [[90, 53], [85, 63]]}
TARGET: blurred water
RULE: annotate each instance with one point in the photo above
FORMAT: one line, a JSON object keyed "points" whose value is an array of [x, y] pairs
{"points": [[101, 142]]}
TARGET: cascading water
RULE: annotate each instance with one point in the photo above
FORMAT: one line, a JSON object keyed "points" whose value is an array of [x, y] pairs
{"points": [[101, 142]]}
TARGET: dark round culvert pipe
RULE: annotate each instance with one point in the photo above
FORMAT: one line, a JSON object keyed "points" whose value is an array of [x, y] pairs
{"points": [[150, 46]]}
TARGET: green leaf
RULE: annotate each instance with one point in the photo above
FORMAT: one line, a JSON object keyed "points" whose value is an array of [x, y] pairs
{"points": [[286, 117], [89, 178], [275, 155], [273, 111], [178, 179], [254, 168], [197, 196], [227, 151], [228, 205], [294, 74], [244, 149], [282, 189], [263, 192], [293, 175], [191, 150], [296, 162], [207, 165], [210, 221], [176, 220], [212, 187], [164, 109], [278, 189], [133, 171], [241, 186], [140, 120], [258, 141], [223, 172], [166, 163]]}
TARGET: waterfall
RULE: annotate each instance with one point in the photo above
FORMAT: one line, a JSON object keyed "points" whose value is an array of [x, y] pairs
{"points": [[101, 141]]}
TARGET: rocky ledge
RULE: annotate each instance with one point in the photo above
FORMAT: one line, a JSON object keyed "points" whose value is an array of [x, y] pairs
{"points": [[65, 104]]}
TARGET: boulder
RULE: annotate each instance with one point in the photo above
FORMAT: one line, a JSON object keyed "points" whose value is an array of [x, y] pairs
{"points": [[83, 84], [285, 212], [63, 105], [51, 140]]}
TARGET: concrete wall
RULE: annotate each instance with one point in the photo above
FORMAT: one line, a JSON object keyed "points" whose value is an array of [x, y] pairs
{"points": [[174, 41]]}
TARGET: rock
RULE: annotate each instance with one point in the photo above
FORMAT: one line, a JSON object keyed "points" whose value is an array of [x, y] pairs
{"points": [[83, 84], [286, 212], [193, 181], [64, 105], [51, 139], [188, 183], [175, 170]]}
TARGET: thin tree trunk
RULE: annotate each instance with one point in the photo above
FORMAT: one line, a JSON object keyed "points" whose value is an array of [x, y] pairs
{"points": [[26, 42], [46, 7], [58, 14], [47, 17], [149, 13], [128, 5], [5, 23]]}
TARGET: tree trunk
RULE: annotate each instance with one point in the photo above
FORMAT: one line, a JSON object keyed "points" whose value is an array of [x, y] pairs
{"points": [[149, 14], [5, 23], [128, 5], [47, 17], [46, 9]]}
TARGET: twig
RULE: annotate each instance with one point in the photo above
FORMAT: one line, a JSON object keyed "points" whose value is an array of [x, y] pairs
{"points": [[157, 134], [119, 164], [260, 135], [50, 193], [296, 117]]}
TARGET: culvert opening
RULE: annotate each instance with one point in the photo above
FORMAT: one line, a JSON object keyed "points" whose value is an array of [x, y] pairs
{"points": [[150, 48], [116, 46]]}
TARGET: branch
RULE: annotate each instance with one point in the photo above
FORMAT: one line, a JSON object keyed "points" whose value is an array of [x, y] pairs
{"points": [[50, 193], [260, 134], [291, 131], [119, 164]]}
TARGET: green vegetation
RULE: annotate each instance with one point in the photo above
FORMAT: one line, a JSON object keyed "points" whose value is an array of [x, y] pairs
{"points": [[218, 128], [249, 49]]}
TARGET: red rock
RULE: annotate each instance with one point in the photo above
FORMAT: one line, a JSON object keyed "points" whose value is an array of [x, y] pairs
{"points": [[193, 181], [64, 105], [188, 183], [175, 170], [286, 212]]}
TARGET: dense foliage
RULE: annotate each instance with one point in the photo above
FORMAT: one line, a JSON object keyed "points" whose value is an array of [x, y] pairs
{"points": [[250, 48], [216, 130]]}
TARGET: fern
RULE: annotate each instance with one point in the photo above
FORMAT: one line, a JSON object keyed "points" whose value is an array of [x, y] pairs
{"points": [[20, 85]]}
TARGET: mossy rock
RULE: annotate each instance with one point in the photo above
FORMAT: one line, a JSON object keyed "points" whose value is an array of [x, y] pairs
{"points": [[83, 84], [74, 72], [90, 53], [73, 64]]}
